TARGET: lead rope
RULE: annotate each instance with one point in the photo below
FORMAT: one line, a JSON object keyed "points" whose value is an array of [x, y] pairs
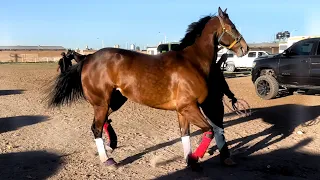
{"points": [[240, 103]]}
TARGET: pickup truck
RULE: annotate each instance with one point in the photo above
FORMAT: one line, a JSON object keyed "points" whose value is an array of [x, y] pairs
{"points": [[296, 68], [233, 62]]}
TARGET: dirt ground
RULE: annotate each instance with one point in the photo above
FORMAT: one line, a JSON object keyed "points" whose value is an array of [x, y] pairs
{"points": [[278, 141]]}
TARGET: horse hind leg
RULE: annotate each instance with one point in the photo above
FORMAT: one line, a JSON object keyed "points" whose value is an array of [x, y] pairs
{"points": [[116, 102], [192, 114], [100, 114]]}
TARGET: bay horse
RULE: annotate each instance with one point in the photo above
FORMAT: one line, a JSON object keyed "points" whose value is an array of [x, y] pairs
{"points": [[76, 56], [175, 80]]}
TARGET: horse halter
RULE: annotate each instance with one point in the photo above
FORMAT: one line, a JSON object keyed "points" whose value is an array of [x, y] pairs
{"points": [[224, 30]]}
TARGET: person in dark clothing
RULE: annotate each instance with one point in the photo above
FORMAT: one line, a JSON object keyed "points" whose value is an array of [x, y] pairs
{"points": [[213, 108], [64, 63]]}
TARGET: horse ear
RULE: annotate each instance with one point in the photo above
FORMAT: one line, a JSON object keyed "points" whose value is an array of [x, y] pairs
{"points": [[225, 11], [221, 14]]}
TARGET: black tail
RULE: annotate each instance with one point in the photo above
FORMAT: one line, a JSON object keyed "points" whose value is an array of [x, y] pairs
{"points": [[67, 87]]}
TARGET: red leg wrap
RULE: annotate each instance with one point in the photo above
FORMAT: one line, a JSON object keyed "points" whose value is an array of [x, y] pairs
{"points": [[111, 134], [202, 148], [105, 127]]}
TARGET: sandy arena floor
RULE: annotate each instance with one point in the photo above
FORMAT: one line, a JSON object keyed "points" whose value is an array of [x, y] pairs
{"points": [[279, 140]]}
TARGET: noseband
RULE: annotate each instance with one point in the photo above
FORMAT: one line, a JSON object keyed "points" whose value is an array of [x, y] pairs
{"points": [[224, 30]]}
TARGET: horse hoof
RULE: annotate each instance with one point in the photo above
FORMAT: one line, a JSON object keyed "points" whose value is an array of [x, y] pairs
{"points": [[110, 162], [193, 164], [196, 167]]}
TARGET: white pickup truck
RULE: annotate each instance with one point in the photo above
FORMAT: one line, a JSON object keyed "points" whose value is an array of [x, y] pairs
{"points": [[245, 62]]}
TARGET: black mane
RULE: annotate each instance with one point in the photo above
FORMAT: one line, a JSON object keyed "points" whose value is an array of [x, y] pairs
{"points": [[194, 30]]}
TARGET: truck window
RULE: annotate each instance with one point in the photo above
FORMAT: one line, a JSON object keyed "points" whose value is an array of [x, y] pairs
{"points": [[230, 55], [302, 49], [261, 54], [252, 54], [318, 51], [283, 47]]}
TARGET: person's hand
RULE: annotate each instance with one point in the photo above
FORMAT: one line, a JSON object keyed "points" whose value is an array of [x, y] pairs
{"points": [[234, 101]]}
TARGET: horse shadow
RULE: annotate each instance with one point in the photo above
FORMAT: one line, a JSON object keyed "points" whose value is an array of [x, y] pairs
{"points": [[14, 123], [11, 92], [135, 157], [29, 165], [283, 118], [286, 163]]}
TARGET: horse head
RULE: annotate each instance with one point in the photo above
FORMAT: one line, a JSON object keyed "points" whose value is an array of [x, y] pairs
{"points": [[69, 53], [228, 35]]}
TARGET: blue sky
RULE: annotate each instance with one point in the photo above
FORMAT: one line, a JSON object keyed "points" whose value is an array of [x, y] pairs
{"points": [[73, 24]]}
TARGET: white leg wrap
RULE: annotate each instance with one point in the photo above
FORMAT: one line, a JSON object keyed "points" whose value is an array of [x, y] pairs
{"points": [[186, 146], [218, 132], [101, 150]]}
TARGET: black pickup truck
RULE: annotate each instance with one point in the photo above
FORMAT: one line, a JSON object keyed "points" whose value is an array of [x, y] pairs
{"points": [[297, 68]]}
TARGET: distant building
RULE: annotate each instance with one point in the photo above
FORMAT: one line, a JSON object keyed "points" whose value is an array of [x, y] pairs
{"points": [[144, 51], [132, 47], [152, 50], [272, 48]]}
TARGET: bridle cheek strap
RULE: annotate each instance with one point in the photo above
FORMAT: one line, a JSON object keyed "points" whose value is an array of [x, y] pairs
{"points": [[236, 39]]}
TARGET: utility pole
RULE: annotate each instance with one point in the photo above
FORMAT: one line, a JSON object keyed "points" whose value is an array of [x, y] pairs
{"points": [[165, 37], [102, 43]]}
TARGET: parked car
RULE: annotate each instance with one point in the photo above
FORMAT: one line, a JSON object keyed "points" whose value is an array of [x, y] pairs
{"points": [[296, 68], [233, 63]]}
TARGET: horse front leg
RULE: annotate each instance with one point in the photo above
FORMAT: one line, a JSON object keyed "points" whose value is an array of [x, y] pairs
{"points": [[100, 116], [192, 114], [185, 136]]}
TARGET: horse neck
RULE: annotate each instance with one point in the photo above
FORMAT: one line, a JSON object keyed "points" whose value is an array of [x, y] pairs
{"points": [[204, 51], [76, 56]]}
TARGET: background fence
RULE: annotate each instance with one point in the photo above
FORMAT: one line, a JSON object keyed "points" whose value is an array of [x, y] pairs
{"points": [[34, 55], [30, 56]]}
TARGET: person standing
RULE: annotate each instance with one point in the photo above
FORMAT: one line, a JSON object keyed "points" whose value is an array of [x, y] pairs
{"points": [[64, 63], [213, 108]]}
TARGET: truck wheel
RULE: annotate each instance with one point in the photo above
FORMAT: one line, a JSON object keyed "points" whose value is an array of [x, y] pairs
{"points": [[230, 68], [267, 87]]}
